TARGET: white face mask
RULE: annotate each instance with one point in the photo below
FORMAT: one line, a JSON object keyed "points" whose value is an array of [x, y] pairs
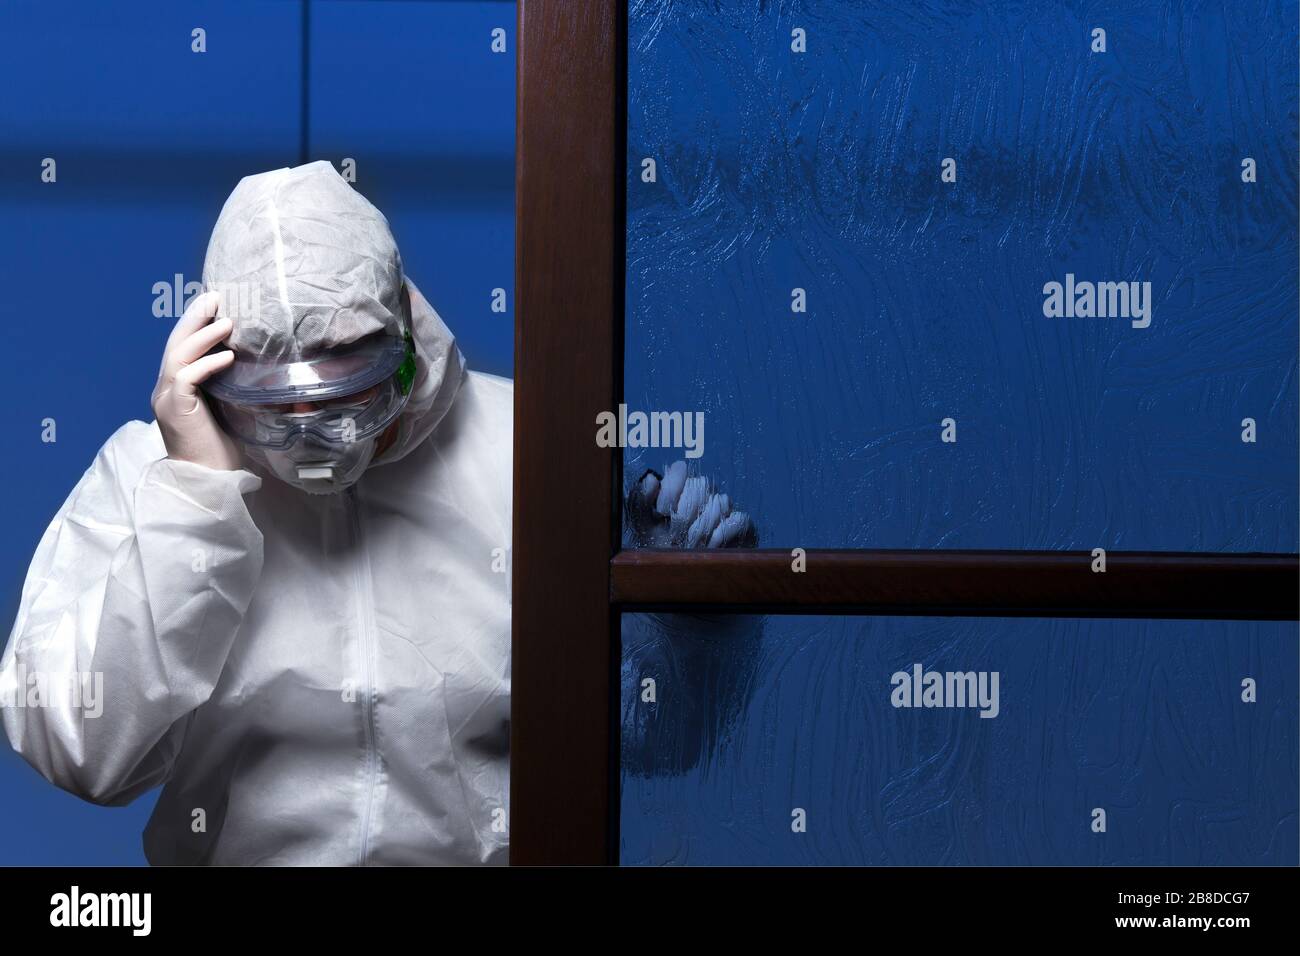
{"points": [[315, 467]]}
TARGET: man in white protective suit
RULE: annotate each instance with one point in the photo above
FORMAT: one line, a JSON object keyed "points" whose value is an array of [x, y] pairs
{"points": [[287, 580]]}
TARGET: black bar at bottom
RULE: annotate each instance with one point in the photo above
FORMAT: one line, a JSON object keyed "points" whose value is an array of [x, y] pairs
{"points": [[982, 907]]}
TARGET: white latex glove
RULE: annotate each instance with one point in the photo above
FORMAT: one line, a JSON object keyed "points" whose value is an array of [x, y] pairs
{"points": [[677, 510], [189, 430]]}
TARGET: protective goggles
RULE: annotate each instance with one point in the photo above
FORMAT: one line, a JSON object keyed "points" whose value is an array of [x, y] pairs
{"points": [[347, 395]]}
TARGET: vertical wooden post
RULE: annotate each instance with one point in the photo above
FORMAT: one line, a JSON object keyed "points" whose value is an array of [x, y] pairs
{"points": [[568, 363]]}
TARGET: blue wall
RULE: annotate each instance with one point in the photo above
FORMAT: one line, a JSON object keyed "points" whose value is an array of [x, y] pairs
{"points": [[149, 139]]}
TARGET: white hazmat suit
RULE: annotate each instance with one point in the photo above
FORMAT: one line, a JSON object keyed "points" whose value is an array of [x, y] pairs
{"points": [[314, 679]]}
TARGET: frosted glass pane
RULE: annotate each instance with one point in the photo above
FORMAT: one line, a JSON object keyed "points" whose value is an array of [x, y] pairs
{"points": [[755, 171], [754, 719]]}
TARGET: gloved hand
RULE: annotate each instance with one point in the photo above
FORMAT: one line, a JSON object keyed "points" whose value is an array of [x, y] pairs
{"points": [[189, 430], [705, 663], [675, 510]]}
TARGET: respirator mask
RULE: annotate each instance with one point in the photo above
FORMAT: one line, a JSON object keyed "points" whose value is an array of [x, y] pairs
{"points": [[315, 422]]}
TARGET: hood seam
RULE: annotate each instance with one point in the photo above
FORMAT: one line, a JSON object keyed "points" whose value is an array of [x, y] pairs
{"points": [[279, 252]]}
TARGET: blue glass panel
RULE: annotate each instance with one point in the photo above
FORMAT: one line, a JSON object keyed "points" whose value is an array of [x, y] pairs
{"points": [[754, 719], [822, 171]]}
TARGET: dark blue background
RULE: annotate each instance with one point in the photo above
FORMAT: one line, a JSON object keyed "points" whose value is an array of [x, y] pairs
{"points": [[150, 138], [821, 171], [758, 716]]}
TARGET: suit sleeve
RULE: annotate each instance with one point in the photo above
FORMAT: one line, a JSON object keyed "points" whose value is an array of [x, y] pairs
{"points": [[130, 607]]}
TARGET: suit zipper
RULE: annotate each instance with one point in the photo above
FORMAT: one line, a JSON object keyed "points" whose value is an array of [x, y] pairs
{"points": [[365, 612]]}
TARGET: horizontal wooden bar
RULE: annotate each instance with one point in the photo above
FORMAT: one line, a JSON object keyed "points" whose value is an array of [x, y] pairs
{"points": [[962, 583]]}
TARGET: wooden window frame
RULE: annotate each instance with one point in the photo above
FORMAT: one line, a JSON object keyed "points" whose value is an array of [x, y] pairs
{"points": [[571, 578]]}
